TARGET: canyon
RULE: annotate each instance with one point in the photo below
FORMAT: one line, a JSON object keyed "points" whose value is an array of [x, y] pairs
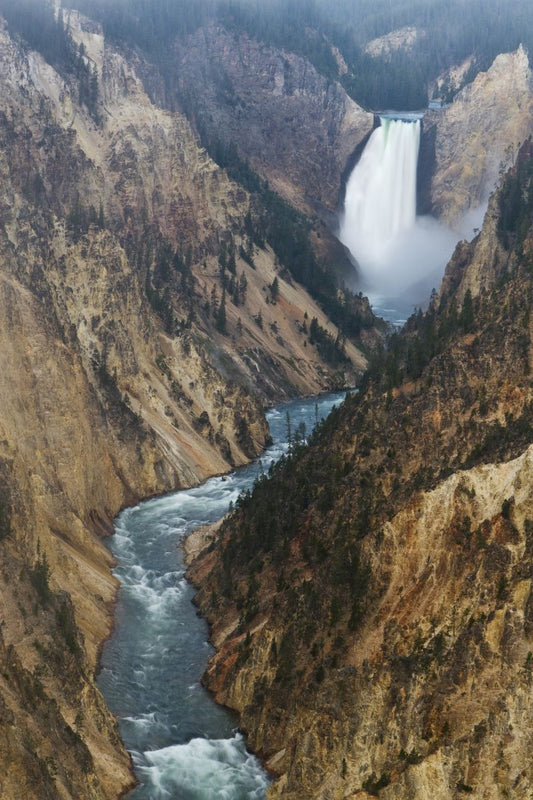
{"points": [[103, 399], [146, 321], [376, 640]]}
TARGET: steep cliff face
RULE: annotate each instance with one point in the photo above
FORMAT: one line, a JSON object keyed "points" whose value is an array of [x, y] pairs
{"points": [[119, 377], [478, 135], [294, 126], [401, 39], [433, 697], [371, 604]]}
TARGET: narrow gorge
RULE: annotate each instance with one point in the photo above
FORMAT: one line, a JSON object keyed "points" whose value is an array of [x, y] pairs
{"points": [[141, 338], [172, 177], [182, 743], [394, 589]]}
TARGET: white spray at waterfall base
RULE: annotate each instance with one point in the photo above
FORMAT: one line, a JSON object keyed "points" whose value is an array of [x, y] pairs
{"points": [[399, 254]]}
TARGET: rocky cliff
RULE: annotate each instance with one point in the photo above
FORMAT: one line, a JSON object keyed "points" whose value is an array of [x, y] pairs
{"points": [[401, 39], [141, 331], [298, 129], [148, 311], [478, 135], [371, 603], [295, 127]]}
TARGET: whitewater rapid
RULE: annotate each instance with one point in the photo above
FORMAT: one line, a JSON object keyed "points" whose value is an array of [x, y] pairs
{"points": [[183, 746]]}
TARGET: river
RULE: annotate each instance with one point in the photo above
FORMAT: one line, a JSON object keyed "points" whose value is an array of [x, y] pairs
{"points": [[183, 746]]}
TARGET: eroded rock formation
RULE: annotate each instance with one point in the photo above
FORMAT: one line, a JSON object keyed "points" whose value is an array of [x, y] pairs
{"points": [[119, 376], [376, 636], [294, 126], [478, 135]]}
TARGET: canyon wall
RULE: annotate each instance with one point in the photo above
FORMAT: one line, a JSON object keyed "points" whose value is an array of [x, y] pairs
{"points": [[295, 127], [120, 376], [376, 640], [477, 136], [143, 326]]}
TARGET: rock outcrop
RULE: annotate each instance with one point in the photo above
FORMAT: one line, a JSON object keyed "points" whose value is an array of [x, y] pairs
{"points": [[478, 135], [401, 39]]}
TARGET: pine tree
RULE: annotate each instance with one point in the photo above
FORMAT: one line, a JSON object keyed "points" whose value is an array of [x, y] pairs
{"points": [[220, 317]]}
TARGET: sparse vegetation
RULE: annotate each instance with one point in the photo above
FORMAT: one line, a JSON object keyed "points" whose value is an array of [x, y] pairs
{"points": [[373, 785], [40, 576], [42, 30], [318, 523], [5, 513]]}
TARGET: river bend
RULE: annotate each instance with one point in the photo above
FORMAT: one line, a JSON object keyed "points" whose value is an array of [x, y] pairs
{"points": [[183, 746]]}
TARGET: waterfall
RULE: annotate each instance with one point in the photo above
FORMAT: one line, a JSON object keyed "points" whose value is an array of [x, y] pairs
{"points": [[398, 253], [381, 191]]}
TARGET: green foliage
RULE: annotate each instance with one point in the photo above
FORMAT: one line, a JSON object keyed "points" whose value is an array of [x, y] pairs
{"points": [[5, 513], [220, 314], [286, 659], [411, 757], [162, 364], [516, 200], [466, 317], [37, 25], [528, 664], [153, 26], [120, 404], [80, 217], [167, 276], [39, 578], [406, 355], [506, 508], [287, 231], [452, 32], [398, 81], [161, 303], [67, 625], [372, 785], [497, 439], [330, 348], [502, 587]]}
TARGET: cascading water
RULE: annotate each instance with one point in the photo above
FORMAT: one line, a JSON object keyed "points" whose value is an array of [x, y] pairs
{"points": [[381, 192], [400, 256]]}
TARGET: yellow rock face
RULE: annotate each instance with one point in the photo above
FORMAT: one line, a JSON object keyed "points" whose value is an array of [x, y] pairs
{"points": [[416, 681], [478, 135], [99, 406]]}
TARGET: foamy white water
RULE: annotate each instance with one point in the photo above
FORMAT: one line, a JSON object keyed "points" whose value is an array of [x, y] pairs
{"points": [[183, 746], [381, 191], [401, 256]]}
